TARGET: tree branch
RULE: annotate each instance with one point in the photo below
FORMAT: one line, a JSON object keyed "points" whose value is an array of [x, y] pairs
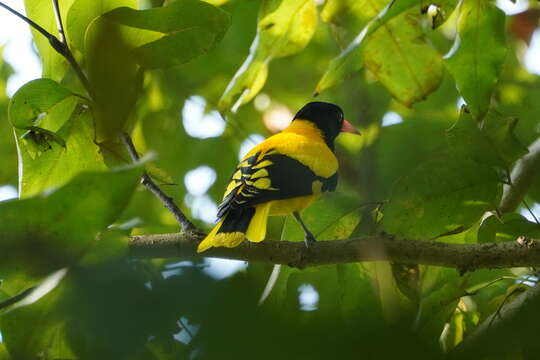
{"points": [[166, 200], [522, 177], [463, 257]]}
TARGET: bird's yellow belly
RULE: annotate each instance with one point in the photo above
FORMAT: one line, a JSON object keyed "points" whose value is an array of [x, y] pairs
{"points": [[287, 206]]}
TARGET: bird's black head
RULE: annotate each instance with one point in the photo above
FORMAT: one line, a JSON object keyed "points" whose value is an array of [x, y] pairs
{"points": [[326, 116]]}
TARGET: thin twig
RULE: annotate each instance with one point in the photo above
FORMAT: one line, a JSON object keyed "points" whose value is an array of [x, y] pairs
{"points": [[523, 176], [60, 46], [166, 200]]}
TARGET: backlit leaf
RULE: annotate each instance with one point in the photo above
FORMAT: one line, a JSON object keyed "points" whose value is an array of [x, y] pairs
{"points": [[476, 59], [285, 27], [54, 65]]}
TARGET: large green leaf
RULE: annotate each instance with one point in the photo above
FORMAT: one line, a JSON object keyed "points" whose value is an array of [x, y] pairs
{"points": [[476, 59], [169, 35], [402, 60], [351, 59], [55, 134], [52, 230], [397, 54], [285, 27], [491, 142], [444, 194], [55, 65], [508, 227], [81, 14]]}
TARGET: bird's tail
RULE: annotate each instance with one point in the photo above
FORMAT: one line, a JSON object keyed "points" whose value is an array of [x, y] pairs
{"points": [[236, 225]]}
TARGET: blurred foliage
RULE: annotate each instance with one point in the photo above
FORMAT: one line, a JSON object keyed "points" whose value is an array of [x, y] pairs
{"points": [[159, 69]]}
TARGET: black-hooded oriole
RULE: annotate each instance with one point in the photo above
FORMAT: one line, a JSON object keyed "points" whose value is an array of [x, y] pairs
{"points": [[282, 175]]}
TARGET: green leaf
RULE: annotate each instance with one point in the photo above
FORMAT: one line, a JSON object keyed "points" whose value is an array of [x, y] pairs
{"points": [[285, 28], [508, 227], [43, 103], [476, 59], [169, 35], [33, 331], [55, 65], [47, 164], [351, 59], [402, 60], [467, 140], [50, 231], [331, 218], [492, 142], [443, 194], [81, 14], [501, 132]]}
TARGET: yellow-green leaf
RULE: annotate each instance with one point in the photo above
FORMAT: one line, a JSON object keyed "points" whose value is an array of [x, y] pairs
{"points": [[285, 27], [476, 59]]}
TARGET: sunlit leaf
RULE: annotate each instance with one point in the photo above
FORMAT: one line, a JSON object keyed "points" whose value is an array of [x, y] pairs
{"points": [[46, 163], [43, 103], [402, 60], [284, 28], [351, 59], [476, 59]]}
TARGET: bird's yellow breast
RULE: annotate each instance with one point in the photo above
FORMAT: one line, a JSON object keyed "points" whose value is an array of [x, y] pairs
{"points": [[304, 142]]}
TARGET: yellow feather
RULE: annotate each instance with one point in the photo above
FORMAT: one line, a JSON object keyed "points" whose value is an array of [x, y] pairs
{"points": [[208, 241], [256, 231], [301, 141], [260, 173], [229, 240], [262, 164]]}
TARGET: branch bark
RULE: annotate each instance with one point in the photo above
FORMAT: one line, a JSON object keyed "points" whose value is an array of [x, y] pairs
{"points": [[383, 247], [166, 200]]}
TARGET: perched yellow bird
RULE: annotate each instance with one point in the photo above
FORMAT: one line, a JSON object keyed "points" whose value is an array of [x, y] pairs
{"points": [[282, 175]]}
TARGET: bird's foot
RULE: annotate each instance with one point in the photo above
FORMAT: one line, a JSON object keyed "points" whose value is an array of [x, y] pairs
{"points": [[309, 240]]}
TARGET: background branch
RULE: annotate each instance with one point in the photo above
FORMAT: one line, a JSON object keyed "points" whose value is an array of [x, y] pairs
{"points": [[523, 175], [517, 322], [464, 257]]}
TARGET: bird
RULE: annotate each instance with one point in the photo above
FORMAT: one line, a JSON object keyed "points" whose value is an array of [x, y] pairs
{"points": [[280, 176]]}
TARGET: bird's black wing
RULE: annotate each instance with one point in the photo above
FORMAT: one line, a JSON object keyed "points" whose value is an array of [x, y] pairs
{"points": [[273, 177]]}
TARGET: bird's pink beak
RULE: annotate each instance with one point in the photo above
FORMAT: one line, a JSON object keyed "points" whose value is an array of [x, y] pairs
{"points": [[347, 127]]}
